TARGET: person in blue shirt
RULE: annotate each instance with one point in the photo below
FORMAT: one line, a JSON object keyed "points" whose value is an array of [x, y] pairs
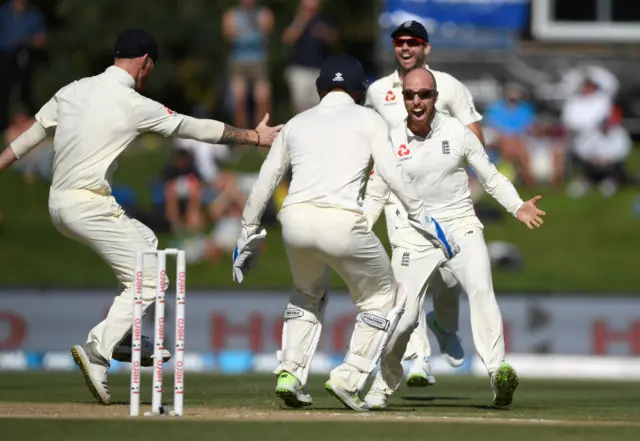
{"points": [[22, 31], [513, 118], [247, 27]]}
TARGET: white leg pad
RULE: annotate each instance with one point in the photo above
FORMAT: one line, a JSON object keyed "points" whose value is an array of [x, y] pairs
{"points": [[300, 337], [385, 326]]}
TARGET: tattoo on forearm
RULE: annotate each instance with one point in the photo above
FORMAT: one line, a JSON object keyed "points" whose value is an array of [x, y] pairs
{"points": [[233, 135]]}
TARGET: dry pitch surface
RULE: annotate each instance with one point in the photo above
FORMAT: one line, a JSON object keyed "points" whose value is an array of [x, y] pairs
{"points": [[244, 407]]}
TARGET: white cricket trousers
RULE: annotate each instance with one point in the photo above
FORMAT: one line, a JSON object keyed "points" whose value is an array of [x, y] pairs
{"points": [[414, 271], [317, 239], [100, 223], [472, 269]]}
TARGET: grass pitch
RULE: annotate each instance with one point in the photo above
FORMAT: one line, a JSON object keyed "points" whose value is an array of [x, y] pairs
{"points": [[57, 406]]}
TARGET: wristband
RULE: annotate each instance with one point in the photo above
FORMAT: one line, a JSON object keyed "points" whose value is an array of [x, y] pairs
{"points": [[257, 133]]}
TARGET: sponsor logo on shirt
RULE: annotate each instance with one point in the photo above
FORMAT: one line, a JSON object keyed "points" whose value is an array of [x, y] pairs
{"points": [[404, 153], [390, 96], [446, 149], [406, 259]]}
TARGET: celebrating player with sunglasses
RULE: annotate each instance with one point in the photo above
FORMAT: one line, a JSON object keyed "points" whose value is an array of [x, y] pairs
{"points": [[434, 151], [411, 43]]}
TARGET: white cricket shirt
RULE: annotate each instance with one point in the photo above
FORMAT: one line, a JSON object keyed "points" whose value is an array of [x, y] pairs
{"points": [[385, 97], [436, 168], [95, 119], [329, 149]]}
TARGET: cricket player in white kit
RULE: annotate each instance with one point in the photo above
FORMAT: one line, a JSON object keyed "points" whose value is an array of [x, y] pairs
{"points": [[329, 148], [435, 150], [94, 120], [411, 43]]}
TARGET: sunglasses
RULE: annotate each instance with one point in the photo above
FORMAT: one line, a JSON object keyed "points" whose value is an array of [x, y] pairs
{"points": [[423, 94], [411, 42]]}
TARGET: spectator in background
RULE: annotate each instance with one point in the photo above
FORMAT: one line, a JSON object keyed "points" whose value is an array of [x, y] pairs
{"points": [[183, 188], [38, 163], [22, 31], [512, 118], [309, 36], [597, 141], [247, 28]]}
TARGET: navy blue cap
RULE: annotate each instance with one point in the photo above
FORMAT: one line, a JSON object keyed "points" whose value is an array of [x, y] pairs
{"points": [[134, 43], [341, 72], [411, 28]]}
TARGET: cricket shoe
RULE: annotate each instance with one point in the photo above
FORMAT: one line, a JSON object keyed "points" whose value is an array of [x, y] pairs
{"points": [[350, 399], [419, 373], [376, 399], [94, 367], [291, 391], [122, 352], [449, 343], [504, 382]]}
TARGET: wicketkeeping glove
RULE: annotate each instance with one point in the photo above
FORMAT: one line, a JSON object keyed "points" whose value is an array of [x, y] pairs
{"points": [[436, 234], [246, 254]]}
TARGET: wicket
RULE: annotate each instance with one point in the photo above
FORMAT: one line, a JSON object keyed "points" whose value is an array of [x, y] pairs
{"points": [[158, 340]]}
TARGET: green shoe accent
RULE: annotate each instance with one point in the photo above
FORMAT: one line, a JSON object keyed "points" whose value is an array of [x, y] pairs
{"points": [[505, 381], [416, 380], [288, 389]]}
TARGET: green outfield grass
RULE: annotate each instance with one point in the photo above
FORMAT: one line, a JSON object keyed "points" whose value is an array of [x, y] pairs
{"points": [[586, 245], [56, 406]]}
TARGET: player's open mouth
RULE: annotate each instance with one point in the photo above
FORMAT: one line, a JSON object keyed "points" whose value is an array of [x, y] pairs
{"points": [[419, 114], [407, 59]]}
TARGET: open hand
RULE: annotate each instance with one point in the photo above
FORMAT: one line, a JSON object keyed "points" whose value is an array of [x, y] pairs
{"points": [[267, 134], [529, 214]]}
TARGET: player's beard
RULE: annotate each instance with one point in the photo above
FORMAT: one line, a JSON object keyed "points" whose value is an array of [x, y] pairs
{"points": [[422, 127]]}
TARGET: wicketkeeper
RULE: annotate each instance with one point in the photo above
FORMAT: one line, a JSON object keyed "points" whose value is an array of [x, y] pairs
{"points": [[329, 148]]}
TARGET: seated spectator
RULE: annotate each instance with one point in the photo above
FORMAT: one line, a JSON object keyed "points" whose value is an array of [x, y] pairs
{"points": [[38, 163], [511, 119], [183, 194], [600, 159], [597, 141]]}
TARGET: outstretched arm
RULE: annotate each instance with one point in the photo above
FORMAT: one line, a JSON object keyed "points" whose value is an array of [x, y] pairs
{"points": [[499, 186]]}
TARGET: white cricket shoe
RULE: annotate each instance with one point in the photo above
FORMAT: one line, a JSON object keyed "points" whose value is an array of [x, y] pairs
{"points": [[349, 399], [94, 367], [376, 399], [122, 352], [449, 343], [419, 373]]}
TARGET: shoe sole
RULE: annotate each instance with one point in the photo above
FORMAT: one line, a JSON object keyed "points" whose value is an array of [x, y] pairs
{"points": [[506, 381], [344, 399], [79, 360], [290, 399], [418, 381], [451, 361]]}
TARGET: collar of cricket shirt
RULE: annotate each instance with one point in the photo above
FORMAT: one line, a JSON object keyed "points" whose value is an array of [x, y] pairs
{"points": [[336, 97], [121, 76], [396, 82], [435, 125]]}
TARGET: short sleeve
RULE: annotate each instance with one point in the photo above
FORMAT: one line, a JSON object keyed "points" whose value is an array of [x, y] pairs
{"points": [[155, 117], [47, 117]]}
